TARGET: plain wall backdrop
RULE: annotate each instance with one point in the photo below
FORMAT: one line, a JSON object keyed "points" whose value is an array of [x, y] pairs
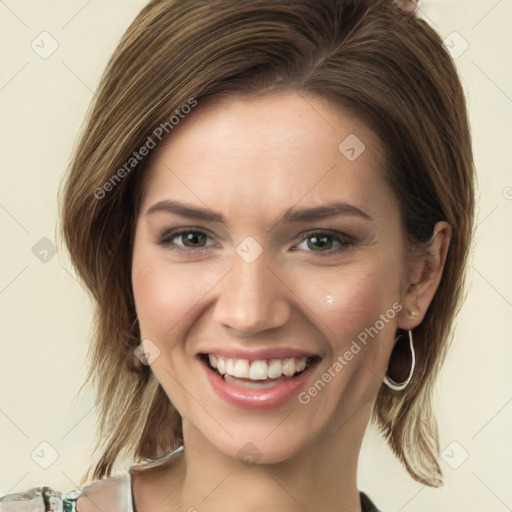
{"points": [[53, 52]]}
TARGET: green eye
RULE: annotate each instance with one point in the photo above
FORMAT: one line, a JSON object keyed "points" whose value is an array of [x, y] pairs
{"points": [[320, 243], [193, 239], [324, 242], [186, 240]]}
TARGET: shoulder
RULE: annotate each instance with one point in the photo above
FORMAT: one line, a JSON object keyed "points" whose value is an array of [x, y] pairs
{"points": [[111, 493], [37, 499]]}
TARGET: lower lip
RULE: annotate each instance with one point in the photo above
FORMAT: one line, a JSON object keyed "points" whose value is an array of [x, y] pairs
{"points": [[259, 399]]}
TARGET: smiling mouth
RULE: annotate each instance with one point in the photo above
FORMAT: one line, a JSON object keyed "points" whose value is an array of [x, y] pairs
{"points": [[258, 374]]}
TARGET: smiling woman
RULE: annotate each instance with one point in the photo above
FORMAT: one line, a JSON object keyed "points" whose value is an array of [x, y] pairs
{"points": [[283, 263]]}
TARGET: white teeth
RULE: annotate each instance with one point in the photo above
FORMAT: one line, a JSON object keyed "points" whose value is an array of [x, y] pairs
{"points": [[230, 367], [275, 369], [289, 366], [242, 369], [250, 384], [257, 370], [221, 365]]}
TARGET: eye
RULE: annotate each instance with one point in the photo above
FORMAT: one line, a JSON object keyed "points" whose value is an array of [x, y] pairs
{"points": [[186, 240], [324, 242], [191, 240]]}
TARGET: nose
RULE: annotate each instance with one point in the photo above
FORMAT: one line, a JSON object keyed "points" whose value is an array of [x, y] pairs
{"points": [[251, 298]]}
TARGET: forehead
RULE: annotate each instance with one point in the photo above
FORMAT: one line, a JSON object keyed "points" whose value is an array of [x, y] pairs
{"points": [[267, 149]]}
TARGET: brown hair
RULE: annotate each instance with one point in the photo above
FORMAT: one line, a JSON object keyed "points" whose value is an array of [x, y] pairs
{"points": [[389, 67]]}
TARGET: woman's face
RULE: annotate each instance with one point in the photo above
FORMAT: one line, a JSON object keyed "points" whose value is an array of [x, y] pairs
{"points": [[268, 239]]}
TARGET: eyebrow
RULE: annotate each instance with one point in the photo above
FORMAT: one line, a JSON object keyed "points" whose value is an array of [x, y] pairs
{"points": [[314, 213]]}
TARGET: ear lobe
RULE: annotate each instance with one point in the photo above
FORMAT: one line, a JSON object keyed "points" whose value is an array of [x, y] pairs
{"points": [[424, 277]]}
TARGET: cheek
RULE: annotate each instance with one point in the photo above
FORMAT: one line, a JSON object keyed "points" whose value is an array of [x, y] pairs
{"points": [[163, 295], [354, 304]]}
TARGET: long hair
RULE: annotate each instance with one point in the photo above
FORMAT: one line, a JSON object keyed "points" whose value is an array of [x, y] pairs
{"points": [[387, 66]]}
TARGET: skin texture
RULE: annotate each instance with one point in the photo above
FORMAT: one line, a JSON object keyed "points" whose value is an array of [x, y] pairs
{"points": [[251, 160]]}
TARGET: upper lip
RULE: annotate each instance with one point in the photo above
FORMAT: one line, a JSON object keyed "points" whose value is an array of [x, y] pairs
{"points": [[258, 354]]}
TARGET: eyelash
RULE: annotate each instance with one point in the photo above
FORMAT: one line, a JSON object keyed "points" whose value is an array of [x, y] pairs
{"points": [[345, 241]]}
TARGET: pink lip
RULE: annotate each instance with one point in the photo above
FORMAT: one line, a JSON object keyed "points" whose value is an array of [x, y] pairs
{"points": [[254, 355], [259, 399]]}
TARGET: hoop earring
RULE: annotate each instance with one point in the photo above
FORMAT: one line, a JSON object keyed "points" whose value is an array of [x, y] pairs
{"points": [[400, 386]]}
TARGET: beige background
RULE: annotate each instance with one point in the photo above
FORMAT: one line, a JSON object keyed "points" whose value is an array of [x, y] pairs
{"points": [[45, 315]]}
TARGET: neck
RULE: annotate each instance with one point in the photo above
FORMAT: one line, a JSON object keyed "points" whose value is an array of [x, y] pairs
{"points": [[321, 476]]}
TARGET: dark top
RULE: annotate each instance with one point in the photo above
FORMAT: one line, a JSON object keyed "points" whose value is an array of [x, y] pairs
{"points": [[366, 504]]}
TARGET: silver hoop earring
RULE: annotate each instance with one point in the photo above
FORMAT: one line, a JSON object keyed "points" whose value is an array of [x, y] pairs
{"points": [[400, 386]]}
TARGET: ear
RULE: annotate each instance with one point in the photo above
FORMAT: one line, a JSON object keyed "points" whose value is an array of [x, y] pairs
{"points": [[423, 277]]}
